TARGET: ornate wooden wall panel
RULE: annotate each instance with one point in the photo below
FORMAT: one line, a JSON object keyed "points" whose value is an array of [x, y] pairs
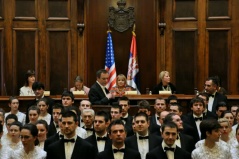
{"points": [[25, 49], [185, 44], [58, 60]]}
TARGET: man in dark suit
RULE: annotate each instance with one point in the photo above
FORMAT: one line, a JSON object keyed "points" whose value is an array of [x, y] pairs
{"points": [[159, 106], [100, 139], [142, 141], [183, 141], [206, 112], [71, 146], [195, 118], [99, 94], [118, 149], [167, 148], [57, 109], [126, 118], [39, 89], [88, 116], [211, 86]]}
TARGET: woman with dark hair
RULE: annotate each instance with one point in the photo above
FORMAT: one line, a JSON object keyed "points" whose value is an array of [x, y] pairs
{"points": [[79, 85], [15, 128], [42, 127], [26, 90], [29, 140]]}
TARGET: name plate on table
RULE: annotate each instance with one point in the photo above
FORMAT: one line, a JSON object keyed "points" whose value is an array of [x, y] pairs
{"points": [[165, 92], [131, 92], [78, 92], [47, 93]]}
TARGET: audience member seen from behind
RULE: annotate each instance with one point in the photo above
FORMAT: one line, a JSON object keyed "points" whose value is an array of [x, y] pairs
{"points": [[211, 148], [26, 90], [164, 84], [121, 86], [29, 139], [79, 85], [14, 105], [220, 89]]}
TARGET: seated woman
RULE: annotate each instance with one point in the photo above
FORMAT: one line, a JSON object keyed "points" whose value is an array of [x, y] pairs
{"points": [[164, 84], [26, 90], [33, 114], [29, 139], [79, 86], [15, 129], [121, 86]]}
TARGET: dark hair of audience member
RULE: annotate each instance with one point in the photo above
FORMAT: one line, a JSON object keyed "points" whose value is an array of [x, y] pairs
{"points": [[68, 93], [70, 113], [142, 114], [11, 116], [170, 125], [207, 126], [116, 122], [33, 130], [106, 115], [43, 122]]}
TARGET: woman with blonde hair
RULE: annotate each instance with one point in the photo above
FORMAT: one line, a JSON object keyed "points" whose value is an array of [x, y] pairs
{"points": [[121, 85], [164, 84]]}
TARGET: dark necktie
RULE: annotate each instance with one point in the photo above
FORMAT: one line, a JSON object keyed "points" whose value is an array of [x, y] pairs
{"points": [[168, 149], [196, 119], [101, 138], [211, 95], [118, 150], [143, 137], [69, 140], [89, 129]]}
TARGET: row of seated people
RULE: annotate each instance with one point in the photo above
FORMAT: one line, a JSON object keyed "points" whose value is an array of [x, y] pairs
{"points": [[145, 135]]}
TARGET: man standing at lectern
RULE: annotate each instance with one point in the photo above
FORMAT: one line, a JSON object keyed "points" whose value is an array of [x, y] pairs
{"points": [[99, 94]]}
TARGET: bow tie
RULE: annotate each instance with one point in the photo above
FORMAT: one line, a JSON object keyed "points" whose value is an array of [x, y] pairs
{"points": [[196, 119], [89, 129], [168, 149], [118, 150], [69, 140], [125, 119], [143, 137], [61, 136], [158, 118], [211, 95], [57, 126], [101, 138], [82, 120]]}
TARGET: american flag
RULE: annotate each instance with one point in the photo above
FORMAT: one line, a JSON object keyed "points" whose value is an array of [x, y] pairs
{"points": [[110, 62], [133, 68]]}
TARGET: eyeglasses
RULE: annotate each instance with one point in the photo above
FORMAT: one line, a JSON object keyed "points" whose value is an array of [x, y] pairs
{"points": [[25, 137]]}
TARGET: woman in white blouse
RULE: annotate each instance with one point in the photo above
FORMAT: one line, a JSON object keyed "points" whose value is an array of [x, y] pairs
{"points": [[29, 139], [235, 146], [15, 142], [43, 106], [26, 90]]}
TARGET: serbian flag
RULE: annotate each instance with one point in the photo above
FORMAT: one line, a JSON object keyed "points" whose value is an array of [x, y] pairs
{"points": [[133, 68], [110, 62]]}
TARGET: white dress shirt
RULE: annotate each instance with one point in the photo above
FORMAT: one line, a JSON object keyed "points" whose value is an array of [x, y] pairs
{"points": [[170, 154], [69, 147], [143, 146], [118, 155], [101, 143]]}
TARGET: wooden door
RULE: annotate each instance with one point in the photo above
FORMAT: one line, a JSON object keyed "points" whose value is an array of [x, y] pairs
{"points": [[41, 35], [201, 40]]}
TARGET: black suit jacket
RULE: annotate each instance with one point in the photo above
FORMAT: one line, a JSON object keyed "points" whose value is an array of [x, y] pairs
{"points": [[128, 126], [218, 98], [34, 102], [82, 150], [51, 130], [97, 96], [128, 154], [187, 142], [158, 88], [92, 140], [158, 153], [51, 140], [131, 142]]}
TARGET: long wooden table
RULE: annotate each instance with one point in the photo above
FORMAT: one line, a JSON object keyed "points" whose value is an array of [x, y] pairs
{"points": [[184, 100]]}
